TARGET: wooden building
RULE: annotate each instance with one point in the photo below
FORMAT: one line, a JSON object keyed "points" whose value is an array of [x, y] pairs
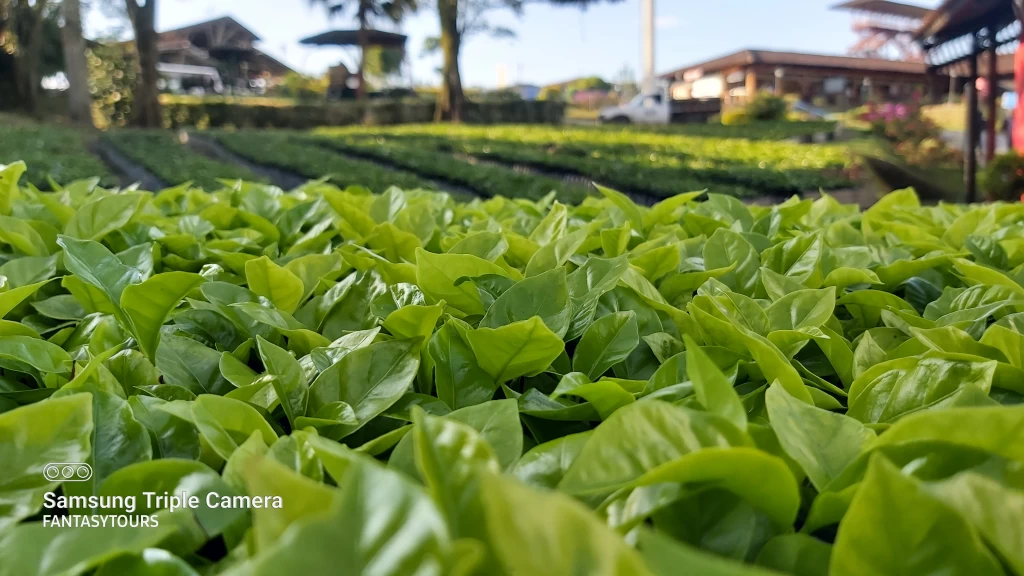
{"points": [[826, 81], [962, 35], [225, 45]]}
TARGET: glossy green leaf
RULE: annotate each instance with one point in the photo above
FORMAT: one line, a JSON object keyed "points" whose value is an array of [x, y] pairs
{"points": [[287, 377], [52, 431], [381, 524], [369, 380], [607, 341], [436, 275], [713, 390], [641, 437], [921, 535], [37, 550], [225, 423], [545, 295], [148, 304], [275, 283], [102, 216], [562, 537], [823, 443], [522, 348], [459, 379], [93, 263]]}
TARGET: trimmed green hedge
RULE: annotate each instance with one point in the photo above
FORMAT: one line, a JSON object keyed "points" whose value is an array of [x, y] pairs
{"points": [[302, 116]]}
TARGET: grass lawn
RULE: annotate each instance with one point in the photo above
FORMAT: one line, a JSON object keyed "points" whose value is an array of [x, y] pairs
{"points": [[952, 117], [575, 113]]}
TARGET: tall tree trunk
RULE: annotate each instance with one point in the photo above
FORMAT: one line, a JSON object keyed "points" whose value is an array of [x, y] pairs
{"points": [[26, 59], [364, 41], [147, 96], [77, 70], [8, 77], [451, 97]]}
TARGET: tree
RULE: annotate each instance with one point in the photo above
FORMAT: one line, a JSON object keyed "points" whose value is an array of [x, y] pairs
{"points": [[76, 67], [382, 64], [24, 34], [301, 87], [147, 95], [462, 18], [368, 11]]}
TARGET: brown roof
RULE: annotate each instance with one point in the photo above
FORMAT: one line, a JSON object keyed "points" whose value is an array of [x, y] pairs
{"points": [[271, 64], [885, 7], [228, 20], [954, 18], [797, 59]]}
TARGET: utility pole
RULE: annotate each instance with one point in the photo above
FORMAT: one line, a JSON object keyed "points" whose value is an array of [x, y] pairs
{"points": [[647, 39]]}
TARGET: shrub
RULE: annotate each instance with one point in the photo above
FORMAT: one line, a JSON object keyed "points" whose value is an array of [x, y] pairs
{"points": [[301, 87], [112, 71], [1003, 178], [767, 106], [735, 118], [913, 137]]}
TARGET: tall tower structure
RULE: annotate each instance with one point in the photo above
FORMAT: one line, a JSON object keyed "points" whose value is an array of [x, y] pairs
{"points": [[647, 41], [886, 29]]}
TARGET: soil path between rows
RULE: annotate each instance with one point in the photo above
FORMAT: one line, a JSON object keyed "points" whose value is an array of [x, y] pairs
{"points": [[212, 149], [126, 170]]}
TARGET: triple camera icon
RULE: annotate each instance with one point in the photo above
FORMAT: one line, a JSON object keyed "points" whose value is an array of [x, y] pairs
{"points": [[67, 472]]}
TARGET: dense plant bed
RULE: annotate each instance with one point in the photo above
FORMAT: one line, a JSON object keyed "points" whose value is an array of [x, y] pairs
{"points": [[664, 163], [486, 180], [280, 150], [342, 382], [54, 153], [618, 170], [163, 155]]}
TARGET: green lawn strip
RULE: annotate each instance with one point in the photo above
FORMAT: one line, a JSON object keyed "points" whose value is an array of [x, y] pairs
{"points": [[161, 154], [280, 150], [59, 152], [488, 179]]}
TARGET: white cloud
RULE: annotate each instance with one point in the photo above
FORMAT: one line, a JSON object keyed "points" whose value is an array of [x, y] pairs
{"points": [[666, 22]]}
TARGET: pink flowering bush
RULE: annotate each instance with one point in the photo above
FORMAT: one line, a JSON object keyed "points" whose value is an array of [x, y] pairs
{"points": [[1003, 178], [915, 138]]}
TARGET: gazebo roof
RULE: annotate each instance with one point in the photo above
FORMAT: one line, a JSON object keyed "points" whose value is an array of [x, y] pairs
{"points": [[956, 18], [948, 33], [351, 38]]}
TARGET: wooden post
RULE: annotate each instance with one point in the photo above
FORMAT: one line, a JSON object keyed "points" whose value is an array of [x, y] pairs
{"points": [[993, 95], [971, 134], [751, 84]]}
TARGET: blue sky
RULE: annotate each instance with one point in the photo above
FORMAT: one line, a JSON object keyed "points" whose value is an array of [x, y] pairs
{"points": [[552, 44]]}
